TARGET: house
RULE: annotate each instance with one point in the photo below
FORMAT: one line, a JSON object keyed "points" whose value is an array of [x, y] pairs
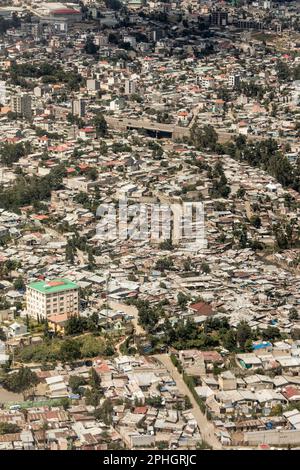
{"points": [[87, 133], [16, 329], [200, 308], [227, 381], [57, 322], [248, 361]]}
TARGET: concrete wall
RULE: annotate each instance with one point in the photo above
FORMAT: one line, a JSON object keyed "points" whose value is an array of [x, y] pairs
{"points": [[274, 437], [141, 440]]}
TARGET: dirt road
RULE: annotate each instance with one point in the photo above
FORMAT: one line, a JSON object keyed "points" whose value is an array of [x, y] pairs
{"points": [[206, 428], [130, 310]]}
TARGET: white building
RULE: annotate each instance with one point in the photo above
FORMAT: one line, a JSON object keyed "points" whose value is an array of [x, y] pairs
{"points": [[78, 107], [51, 298], [233, 80], [21, 104], [92, 84], [130, 87], [2, 92]]}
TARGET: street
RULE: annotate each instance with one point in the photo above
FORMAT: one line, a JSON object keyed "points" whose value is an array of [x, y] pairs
{"points": [[206, 428]]}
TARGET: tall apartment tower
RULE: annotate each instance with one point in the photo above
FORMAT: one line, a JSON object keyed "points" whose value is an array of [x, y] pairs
{"points": [[78, 107], [234, 80], [2, 92], [219, 18], [21, 104], [130, 87], [92, 84]]}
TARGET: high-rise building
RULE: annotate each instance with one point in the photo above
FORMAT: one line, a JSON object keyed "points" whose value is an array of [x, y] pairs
{"points": [[2, 92], [51, 298], [21, 104], [130, 87], [78, 107], [92, 84], [233, 80], [219, 18]]}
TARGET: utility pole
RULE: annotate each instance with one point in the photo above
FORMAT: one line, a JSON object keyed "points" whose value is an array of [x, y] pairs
{"points": [[13, 356], [107, 287]]}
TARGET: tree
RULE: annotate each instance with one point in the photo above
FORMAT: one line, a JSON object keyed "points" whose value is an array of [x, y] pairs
{"points": [[187, 402], [92, 397], [277, 410], [164, 263], [242, 235], [166, 245], [100, 125], [243, 333], [75, 325], [204, 137], [271, 333], [94, 379], [105, 412], [70, 350], [182, 300], [187, 264], [205, 267], [2, 335], [47, 333], [255, 220], [76, 382], [293, 314], [113, 4], [93, 322], [65, 403], [240, 192], [92, 346], [19, 283], [70, 258], [8, 428], [229, 341], [92, 174], [11, 153], [91, 260], [20, 381], [90, 47]]}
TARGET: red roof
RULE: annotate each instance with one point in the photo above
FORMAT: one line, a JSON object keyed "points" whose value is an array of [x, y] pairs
{"points": [[88, 129], [83, 166], [40, 217], [102, 368], [202, 308], [290, 392], [62, 318], [55, 283], [140, 410], [65, 11], [212, 356]]}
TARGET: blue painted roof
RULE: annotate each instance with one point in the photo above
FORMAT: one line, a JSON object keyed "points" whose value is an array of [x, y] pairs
{"points": [[264, 344]]}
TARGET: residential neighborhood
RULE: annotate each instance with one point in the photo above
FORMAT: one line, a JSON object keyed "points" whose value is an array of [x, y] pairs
{"points": [[149, 230]]}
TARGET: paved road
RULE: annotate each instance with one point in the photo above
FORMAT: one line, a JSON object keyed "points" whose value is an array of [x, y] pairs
{"points": [[206, 427]]}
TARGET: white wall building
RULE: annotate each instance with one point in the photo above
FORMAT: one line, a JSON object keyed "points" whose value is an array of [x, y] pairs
{"points": [[56, 297]]}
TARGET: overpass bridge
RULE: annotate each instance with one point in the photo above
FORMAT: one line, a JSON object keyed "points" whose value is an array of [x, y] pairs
{"points": [[172, 131], [153, 129]]}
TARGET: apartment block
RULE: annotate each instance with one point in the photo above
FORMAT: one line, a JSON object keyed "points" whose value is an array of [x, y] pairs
{"points": [[51, 298]]}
